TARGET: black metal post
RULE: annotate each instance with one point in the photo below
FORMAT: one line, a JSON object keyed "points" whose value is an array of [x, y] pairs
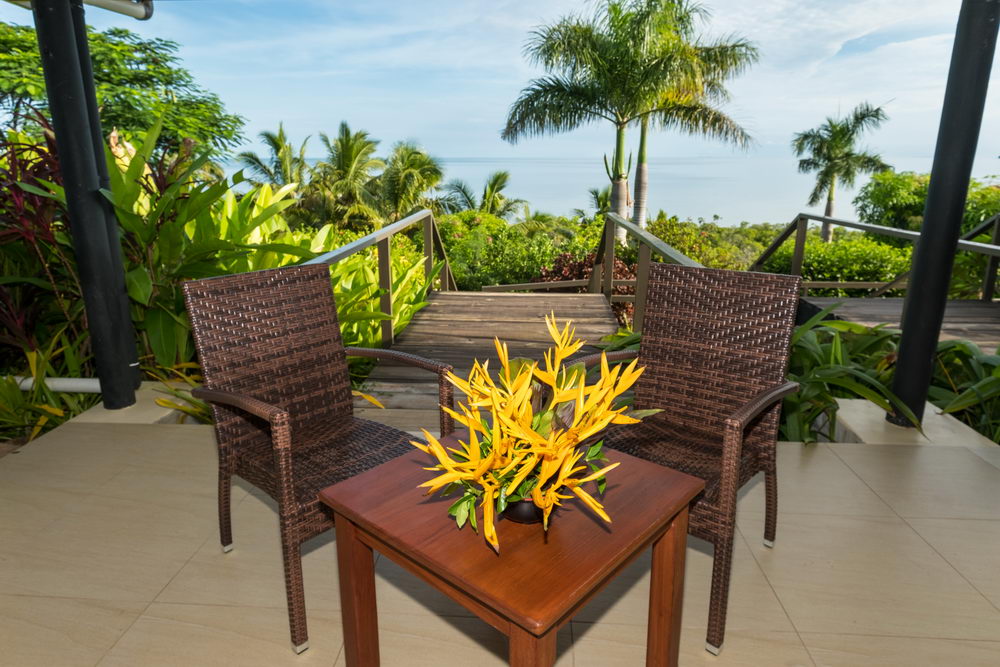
{"points": [[71, 122], [958, 134], [123, 325]]}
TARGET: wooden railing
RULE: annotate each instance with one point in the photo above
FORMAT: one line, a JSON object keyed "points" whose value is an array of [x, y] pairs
{"points": [[602, 279], [799, 226], [433, 251]]}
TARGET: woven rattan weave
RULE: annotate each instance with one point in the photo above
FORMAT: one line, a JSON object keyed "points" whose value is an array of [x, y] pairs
{"points": [[275, 373], [715, 346]]}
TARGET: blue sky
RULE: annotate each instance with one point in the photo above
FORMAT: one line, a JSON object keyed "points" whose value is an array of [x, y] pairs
{"points": [[444, 72]]}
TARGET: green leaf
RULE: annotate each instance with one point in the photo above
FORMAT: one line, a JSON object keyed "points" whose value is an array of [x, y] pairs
{"points": [[139, 285], [802, 329], [594, 451], [161, 328]]}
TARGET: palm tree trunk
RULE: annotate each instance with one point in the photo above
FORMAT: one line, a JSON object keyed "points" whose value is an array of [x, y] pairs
{"points": [[619, 181], [641, 178], [827, 231]]}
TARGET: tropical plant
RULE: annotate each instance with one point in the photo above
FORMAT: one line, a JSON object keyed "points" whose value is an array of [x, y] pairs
{"points": [[966, 384], [138, 81], [830, 359], [622, 65], [27, 413], [600, 202], [174, 225], [346, 175], [526, 431], [688, 98], [282, 166], [493, 200], [853, 258], [832, 152], [404, 186]]}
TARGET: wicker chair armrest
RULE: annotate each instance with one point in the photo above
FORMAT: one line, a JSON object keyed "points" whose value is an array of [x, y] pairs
{"points": [[742, 417], [618, 355], [446, 393], [401, 357], [271, 413]]}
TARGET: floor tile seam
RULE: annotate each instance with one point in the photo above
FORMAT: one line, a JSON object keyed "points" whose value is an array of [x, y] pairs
{"points": [[952, 565], [891, 636], [975, 451], [340, 652], [865, 482], [151, 602], [834, 514], [774, 592]]}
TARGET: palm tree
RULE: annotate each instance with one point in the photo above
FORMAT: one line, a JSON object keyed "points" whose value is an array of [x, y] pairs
{"points": [[283, 166], [832, 153], [600, 201], [346, 175], [616, 67], [410, 174], [689, 96], [493, 200]]}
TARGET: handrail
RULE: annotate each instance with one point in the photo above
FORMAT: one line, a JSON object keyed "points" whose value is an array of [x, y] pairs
{"points": [[653, 242], [989, 282], [800, 225], [381, 238]]}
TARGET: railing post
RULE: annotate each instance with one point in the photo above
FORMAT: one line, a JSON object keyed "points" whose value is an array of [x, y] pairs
{"points": [[609, 256], [429, 247], [801, 227], [594, 286], [641, 285], [990, 279], [385, 285]]}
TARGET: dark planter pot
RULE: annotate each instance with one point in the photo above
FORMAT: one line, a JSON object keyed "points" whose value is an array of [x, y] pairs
{"points": [[523, 511]]}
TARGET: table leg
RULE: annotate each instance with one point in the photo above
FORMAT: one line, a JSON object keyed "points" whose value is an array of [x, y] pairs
{"points": [[357, 596], [528, 650], [666, 594]]}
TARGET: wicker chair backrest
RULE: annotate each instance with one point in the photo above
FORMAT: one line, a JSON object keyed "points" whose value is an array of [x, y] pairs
{"points": [[711, 340], [272, 335]]}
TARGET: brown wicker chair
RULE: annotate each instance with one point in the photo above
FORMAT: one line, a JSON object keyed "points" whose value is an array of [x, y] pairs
{"points": [[715, 346], [275, 372]]}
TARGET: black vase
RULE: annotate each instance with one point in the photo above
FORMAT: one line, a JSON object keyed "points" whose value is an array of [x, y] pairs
{"points": [[523, 511]]}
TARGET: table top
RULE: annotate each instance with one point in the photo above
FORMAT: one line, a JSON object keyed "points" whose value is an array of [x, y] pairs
{"points": [[537, 579]]}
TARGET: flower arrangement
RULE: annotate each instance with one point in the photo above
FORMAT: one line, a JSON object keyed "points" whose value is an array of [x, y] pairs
{"points": [[526, 429]]}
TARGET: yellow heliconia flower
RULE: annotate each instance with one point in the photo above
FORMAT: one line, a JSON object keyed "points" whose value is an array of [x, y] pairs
{"points": [[525, 431]]}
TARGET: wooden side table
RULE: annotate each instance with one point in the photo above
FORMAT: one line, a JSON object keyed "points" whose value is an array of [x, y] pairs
{"points": [[538, 581]]}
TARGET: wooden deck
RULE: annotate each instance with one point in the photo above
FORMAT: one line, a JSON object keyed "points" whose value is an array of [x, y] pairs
{"points": [[458, 327], [977, 321]]}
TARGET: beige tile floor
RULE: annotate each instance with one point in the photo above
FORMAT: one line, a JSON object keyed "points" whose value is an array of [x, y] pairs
{"points": [[886, 555]]}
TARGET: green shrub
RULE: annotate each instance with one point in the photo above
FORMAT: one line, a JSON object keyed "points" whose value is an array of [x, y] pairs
{"points": [[851, 257], [713, 245], [486, 250], [176, 224]]}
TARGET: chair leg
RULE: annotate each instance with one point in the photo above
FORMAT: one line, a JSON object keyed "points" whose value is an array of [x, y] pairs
{"points": [[225, 519], [292, 553], [771, 510], [721, 569]]}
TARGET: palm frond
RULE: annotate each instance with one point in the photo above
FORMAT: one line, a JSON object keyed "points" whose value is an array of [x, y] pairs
{"points": [[554, 104]]}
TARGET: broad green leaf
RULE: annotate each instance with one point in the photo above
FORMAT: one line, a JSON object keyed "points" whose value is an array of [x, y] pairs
{"points": [[139, 285]]}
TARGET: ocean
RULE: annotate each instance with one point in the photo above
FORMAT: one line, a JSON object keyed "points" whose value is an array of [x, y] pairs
{"points": [[736, 188]]}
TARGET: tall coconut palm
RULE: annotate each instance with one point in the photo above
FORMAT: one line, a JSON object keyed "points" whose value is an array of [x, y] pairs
{"points": [[410, 175], [493, 199], [605, 68], [284, 165], [690, 95], [832, 152], [347, 174]]}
